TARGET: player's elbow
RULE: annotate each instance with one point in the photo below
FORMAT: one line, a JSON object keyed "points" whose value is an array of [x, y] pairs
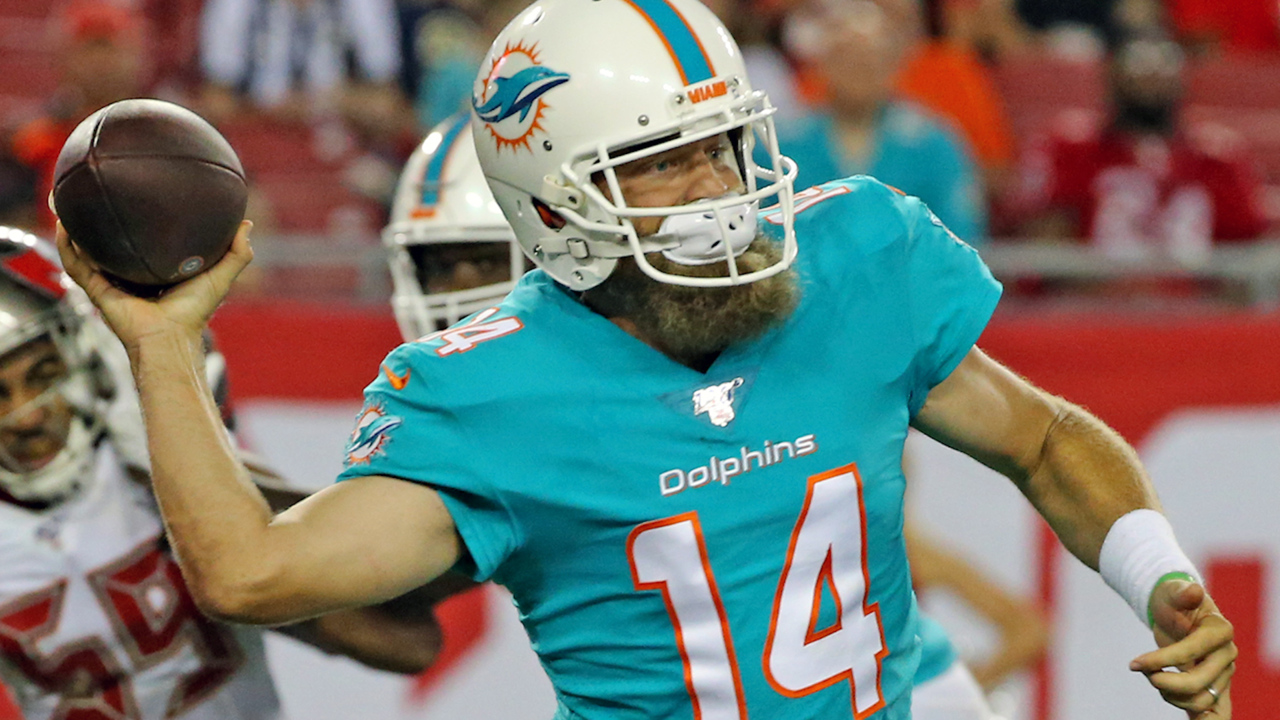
{"points": [[243, 595], [229, 604]]}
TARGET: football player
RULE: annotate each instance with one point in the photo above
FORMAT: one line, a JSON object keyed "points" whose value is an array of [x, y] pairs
{"points": [[446, 248], [95, 620], [678, 443], [450, 250]]}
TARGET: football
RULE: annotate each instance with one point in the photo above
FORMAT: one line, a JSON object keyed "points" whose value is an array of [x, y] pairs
{"points": [[150, 191]]}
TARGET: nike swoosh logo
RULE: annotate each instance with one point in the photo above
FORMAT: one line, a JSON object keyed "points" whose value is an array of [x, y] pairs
{"points": [[397, 381]]}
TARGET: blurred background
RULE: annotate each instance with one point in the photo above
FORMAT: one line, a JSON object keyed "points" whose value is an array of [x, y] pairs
{"points": [[1116, 162]]}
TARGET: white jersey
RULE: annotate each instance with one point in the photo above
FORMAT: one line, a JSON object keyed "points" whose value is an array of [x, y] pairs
{"points": [[96, 623]]}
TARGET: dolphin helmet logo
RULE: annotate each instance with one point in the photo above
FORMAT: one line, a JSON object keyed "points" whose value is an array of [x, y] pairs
{"points": [[511, 103], [519, 93]]}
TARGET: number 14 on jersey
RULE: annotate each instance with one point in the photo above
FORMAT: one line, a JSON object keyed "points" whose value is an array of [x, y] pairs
{"points": [[827, 556]]}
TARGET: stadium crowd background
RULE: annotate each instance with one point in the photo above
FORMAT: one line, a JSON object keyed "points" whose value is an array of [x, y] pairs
{"points": [[971, 104], [998, 112]]}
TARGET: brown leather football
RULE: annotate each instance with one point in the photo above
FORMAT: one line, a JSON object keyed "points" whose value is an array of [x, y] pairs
{"points": [[151, 191]]}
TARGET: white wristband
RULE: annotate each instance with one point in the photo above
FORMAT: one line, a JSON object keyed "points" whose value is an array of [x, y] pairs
{"points": [[1139, 551]]}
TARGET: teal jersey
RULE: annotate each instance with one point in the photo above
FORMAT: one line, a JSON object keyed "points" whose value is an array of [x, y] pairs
{"points": [[681, 544], [936, 652]]}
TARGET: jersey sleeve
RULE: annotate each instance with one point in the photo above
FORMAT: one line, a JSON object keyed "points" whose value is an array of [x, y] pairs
{"points": [[951, 296], [401, 432]]}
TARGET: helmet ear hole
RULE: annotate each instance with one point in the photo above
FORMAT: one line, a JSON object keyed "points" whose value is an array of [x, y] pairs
{"points": [[549, 217]]}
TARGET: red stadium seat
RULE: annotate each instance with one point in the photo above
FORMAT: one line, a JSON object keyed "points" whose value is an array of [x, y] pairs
{"points": [[1251, 81], [315, 203], [27, 8], [1259, 128], [266, 146], [1242, 93], [27, 75], [1037, 88], [16, 109], [24, 34]]}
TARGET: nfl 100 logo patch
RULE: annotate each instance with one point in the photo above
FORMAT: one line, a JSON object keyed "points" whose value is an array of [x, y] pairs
{"points": [[717, 402]]}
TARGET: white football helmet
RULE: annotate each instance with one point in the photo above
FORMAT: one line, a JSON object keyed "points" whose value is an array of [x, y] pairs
{"points": [[572, 89], [38, 301], [444, 218]]}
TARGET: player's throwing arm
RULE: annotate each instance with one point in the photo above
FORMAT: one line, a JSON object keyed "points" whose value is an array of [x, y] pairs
{"points": [[241, 564]]}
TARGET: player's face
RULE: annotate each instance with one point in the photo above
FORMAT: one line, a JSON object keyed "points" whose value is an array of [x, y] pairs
{"points": [[701, 170], [34, 417], [691, 324], [448, 267]]}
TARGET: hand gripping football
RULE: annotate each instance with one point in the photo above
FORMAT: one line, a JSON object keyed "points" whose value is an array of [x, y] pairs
{"points": [[150, 191]]}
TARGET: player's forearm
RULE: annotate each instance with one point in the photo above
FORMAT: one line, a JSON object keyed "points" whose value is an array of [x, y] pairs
{"points": [[374, 639], [216, 519], [1084, 478]]}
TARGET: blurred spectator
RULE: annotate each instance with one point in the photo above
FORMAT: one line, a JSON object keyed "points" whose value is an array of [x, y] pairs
{"points": [[1045, 15], [767, 67], [990, 28], [101, 59], [946, 75], [290, 57], [173, 29], [863, 130], [444, 42], [1084, 28], [943, 70], [1142, 183], [1234, 26], [333, 64], [803, 26], [443, 45]]}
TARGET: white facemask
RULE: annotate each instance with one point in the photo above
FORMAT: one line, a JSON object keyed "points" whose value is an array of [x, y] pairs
{"points": [[700, 237]]}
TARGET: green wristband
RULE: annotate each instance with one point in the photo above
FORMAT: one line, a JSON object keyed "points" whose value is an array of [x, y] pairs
{"points": [[1175, 575]]}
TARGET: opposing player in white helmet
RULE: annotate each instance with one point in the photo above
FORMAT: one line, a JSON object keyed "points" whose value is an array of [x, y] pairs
{"points": [[57, 397], [679, 443], [95, 619], [450, 250]]}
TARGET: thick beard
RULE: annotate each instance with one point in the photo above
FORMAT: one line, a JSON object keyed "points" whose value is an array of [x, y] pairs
{"points": [[691, 324]]}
